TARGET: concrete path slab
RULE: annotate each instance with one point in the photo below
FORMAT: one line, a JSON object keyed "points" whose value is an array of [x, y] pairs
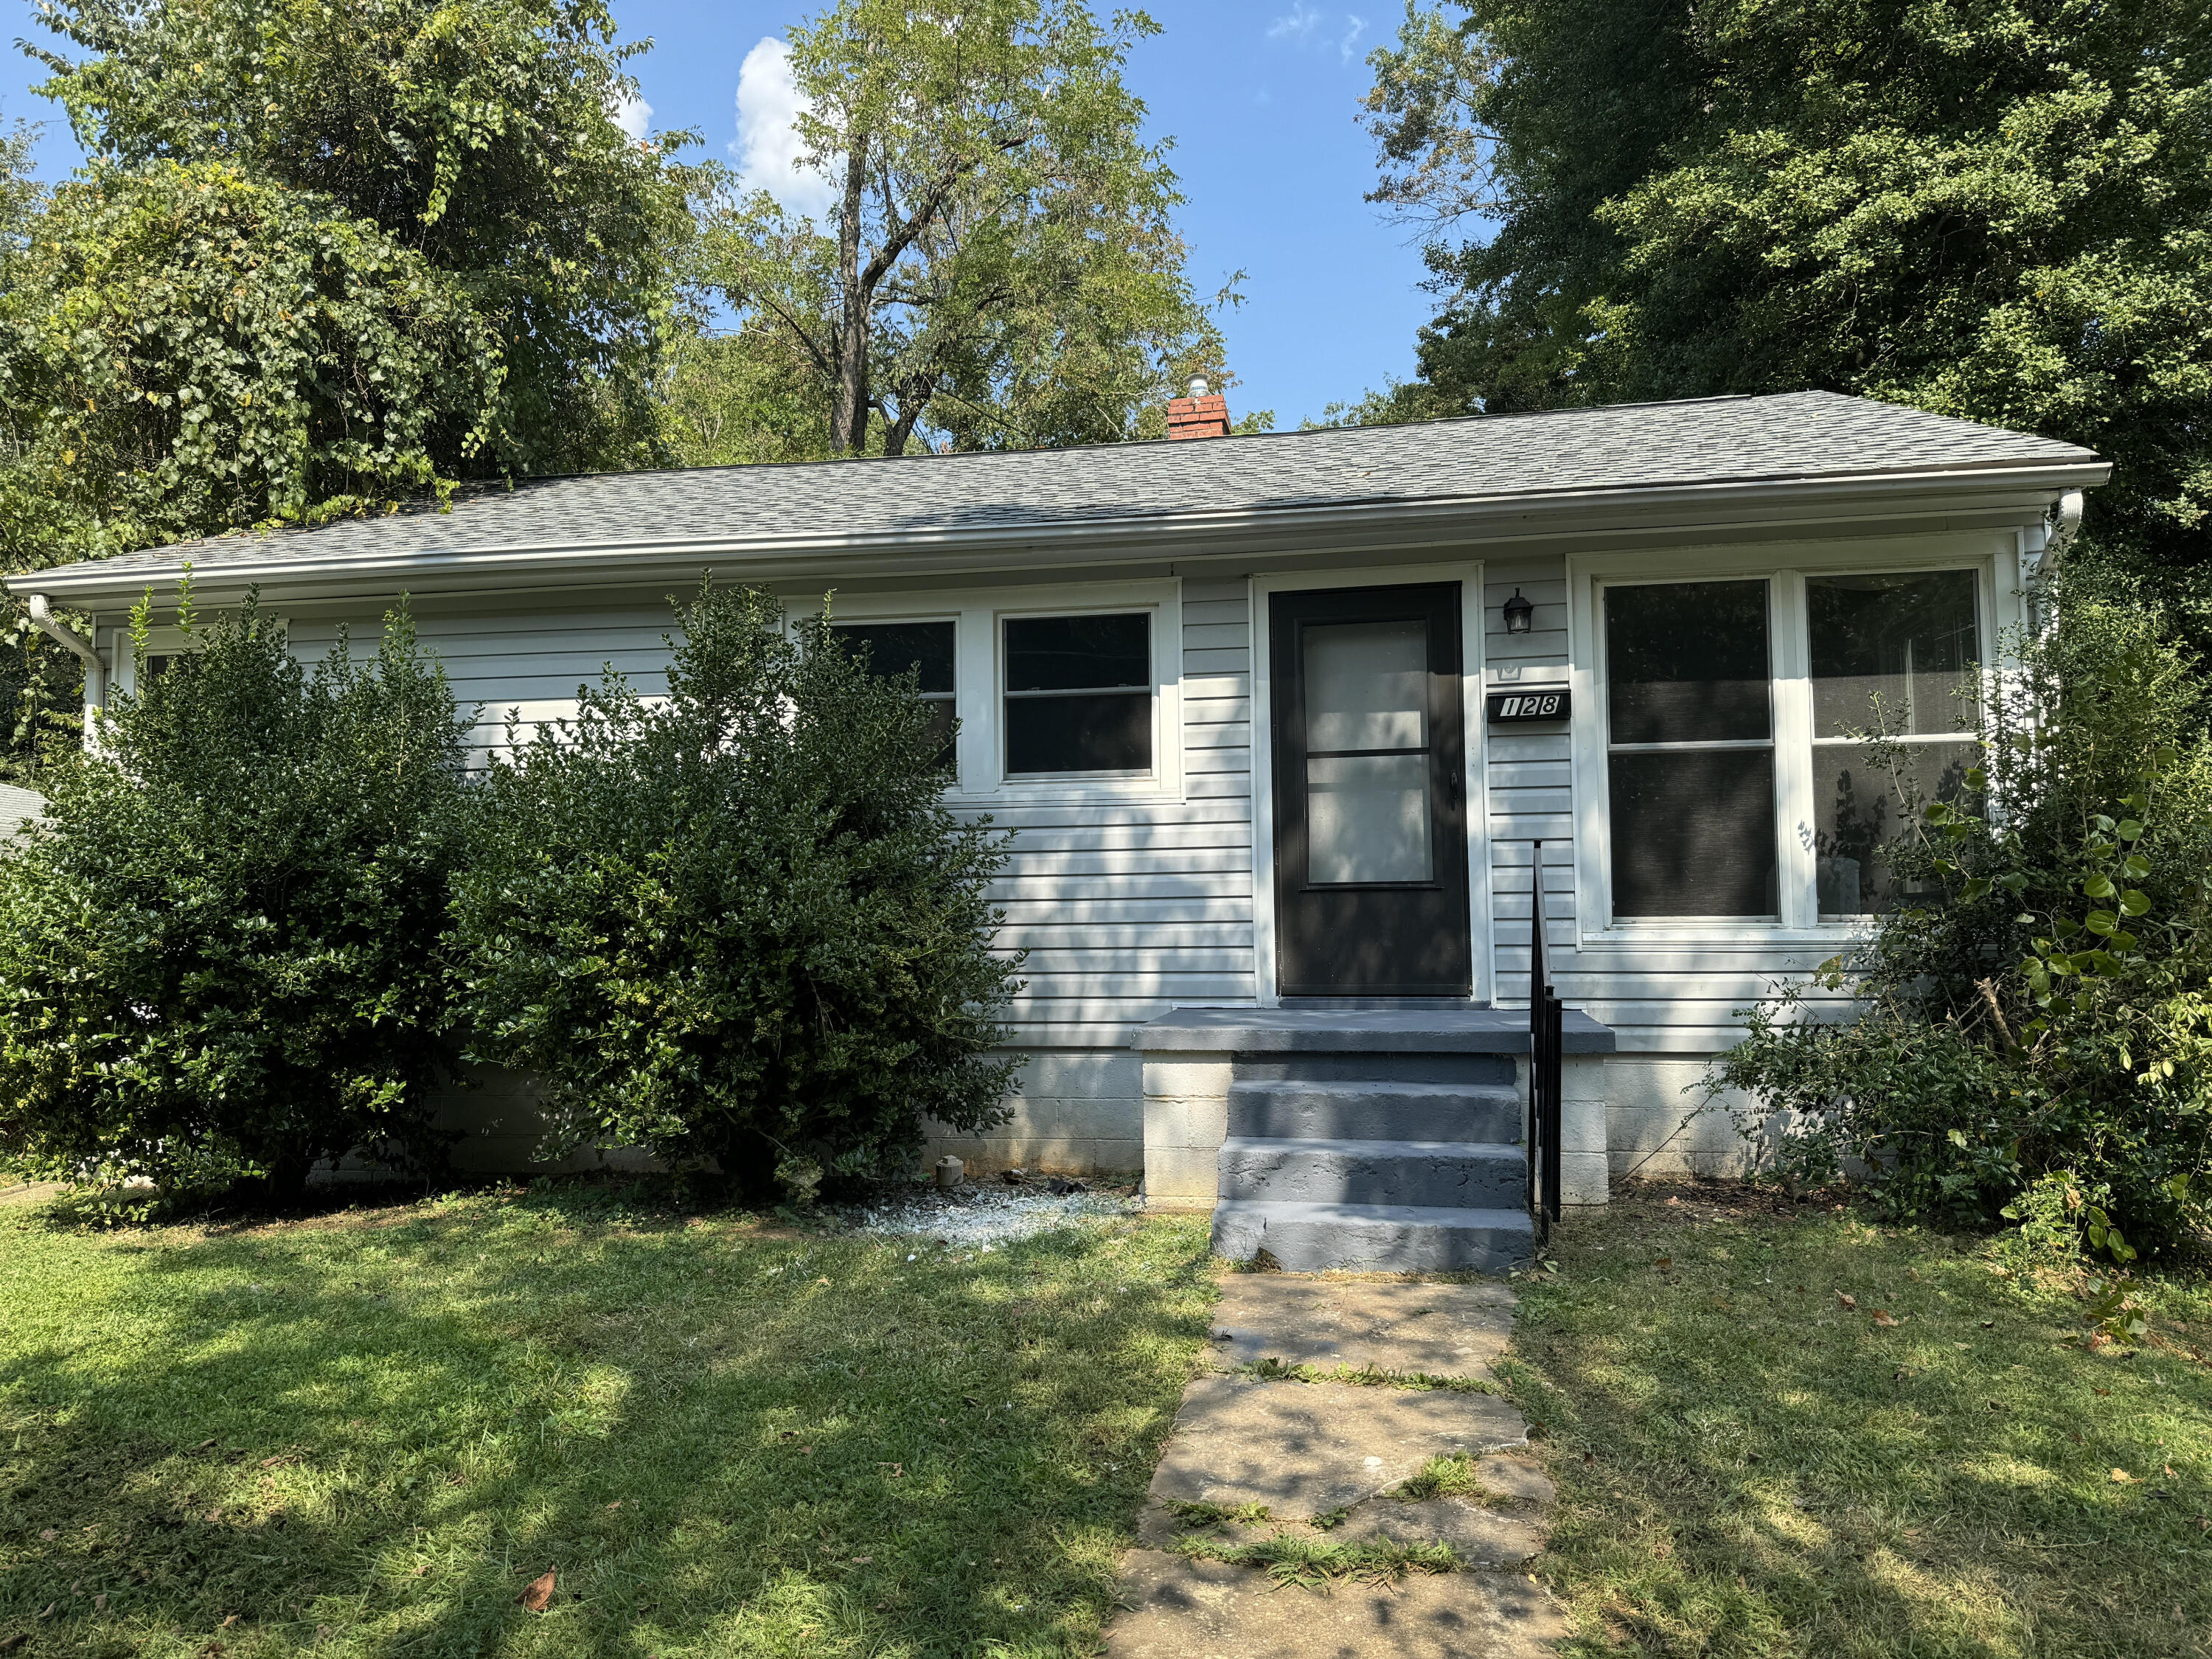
{"points": [[29, 1192], [1183, 1610], [1306, 1449], [1434, 1330], [1480, 1537]]}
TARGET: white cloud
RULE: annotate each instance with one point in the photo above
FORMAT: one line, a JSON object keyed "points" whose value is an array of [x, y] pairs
{"points": [[1303, 21], [632, 115], [768, 145], [1354, 28]]}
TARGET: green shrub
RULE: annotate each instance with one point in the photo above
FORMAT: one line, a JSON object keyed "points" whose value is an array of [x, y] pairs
{"points": [[219, 951], [2050, 1014], [740, 925]]}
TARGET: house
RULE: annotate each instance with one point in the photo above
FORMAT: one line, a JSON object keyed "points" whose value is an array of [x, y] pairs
{"points": [[1291, 729]]}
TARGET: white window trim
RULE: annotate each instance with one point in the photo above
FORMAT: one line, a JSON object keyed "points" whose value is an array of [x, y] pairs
{"points": [[1785, 567], [1474, 787], [169, 641], [977, 615]]}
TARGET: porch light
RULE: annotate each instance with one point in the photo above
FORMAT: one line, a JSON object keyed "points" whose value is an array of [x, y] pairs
{"points": [[1520, 615]]}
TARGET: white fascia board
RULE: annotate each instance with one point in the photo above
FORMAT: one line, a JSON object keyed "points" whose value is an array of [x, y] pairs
{"points": [[1872, 503]]}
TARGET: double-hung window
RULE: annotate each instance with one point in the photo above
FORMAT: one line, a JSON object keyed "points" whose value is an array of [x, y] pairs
{"points": [[1690, 750], [1741, 782], [1894, 655], [1079, 694], [926, 649]]}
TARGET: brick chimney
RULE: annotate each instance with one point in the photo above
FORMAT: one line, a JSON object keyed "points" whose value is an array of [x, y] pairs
{"points": [[1198, 415]]}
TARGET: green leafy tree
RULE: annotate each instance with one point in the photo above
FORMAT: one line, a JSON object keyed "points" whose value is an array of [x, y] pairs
{"points": [[998, 261], [739, 924], [1999, 210], [190, 349], [745, 397], [479, 136], [220, 952]]}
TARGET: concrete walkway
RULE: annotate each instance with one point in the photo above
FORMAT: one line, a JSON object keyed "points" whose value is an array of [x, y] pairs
{"points": [[1326, 1461]]}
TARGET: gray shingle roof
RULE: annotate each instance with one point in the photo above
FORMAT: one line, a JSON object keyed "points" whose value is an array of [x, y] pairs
{"points": [[1806, 435]]}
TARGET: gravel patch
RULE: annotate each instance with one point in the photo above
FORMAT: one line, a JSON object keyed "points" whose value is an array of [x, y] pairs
{"points": [[982, 1214]]}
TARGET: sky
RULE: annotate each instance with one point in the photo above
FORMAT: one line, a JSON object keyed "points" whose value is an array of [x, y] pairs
{"points": [[1259, 97]]}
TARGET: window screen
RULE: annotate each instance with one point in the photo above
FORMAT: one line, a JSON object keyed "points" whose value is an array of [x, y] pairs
{"points": [[1690, 743], [925, 648], [1892, 653], [1079, 693]]}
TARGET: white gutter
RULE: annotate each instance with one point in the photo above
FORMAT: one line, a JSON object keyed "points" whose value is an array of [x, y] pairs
{"points": [[44, 619], [1241, 533]]}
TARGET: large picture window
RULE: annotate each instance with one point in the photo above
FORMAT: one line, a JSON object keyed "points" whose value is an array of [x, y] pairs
{"points": [[924, 647], [1079, 693], [1893, 655], [1690, 750]]}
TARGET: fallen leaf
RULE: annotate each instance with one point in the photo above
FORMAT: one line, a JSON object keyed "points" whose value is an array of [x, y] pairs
{"points": [[423, 1570], [862, 1560], [203, 1445], [2107, 1392], [615, 1504], [214, 1516], [969, 1400], [1881, 1316], [277, 1462], [2121, 1477], [822, 1281], [10, 1644], [47, 1612], [2170, 1474], [99, 1602], [1848, 1302], [1665, 1262], [1989, 1324], [227, 1622], [48, 1536], [538, 1594], [1963, 1347], [806, 1451]]}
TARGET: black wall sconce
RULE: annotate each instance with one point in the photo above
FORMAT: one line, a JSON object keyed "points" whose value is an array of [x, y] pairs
{"points": [[1520, 615]]}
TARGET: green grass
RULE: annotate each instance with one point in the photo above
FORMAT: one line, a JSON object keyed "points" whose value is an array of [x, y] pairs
{"points": [[1748, 1466], [366, 1434]]}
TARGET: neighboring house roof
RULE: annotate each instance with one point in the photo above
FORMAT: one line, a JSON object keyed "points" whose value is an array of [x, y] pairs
{"points": [[1797, 438], [18, 807]]}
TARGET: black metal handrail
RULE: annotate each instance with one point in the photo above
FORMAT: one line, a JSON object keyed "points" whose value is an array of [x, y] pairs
{"points": [[1544, 1011]]}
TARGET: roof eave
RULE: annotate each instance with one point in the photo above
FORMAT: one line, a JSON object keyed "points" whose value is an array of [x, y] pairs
{"points": [[1786, 502]]}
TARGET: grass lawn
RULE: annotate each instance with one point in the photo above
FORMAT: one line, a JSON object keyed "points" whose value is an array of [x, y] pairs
{"points": [[366, 1434], [1746, 1466]]}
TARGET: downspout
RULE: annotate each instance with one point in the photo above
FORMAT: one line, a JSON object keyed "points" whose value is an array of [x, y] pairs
{"points": [[44, 619]]}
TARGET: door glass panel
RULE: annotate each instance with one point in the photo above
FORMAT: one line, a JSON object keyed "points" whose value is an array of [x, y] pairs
{"points": [[1367, 685], [1906, 640], [1367, 817]]}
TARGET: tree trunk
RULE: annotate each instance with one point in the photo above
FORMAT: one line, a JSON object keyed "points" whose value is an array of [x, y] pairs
{"points": [[284, 1188], [848, 415]]}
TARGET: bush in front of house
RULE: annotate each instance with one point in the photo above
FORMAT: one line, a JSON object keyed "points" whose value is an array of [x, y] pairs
{"points": [[738, 927], [2043, 1020], [220, 949]]}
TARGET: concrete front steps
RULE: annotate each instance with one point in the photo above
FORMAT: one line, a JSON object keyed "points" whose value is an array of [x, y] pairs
{"points": [[1371, 1140]]}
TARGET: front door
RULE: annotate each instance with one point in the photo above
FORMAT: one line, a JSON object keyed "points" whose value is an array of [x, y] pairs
{"points": [[1370, 826]]}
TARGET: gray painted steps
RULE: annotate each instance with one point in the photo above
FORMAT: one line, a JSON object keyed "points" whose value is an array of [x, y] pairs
{"points": [[1310, 1238], [1440, 1175], [1372, 1108]]}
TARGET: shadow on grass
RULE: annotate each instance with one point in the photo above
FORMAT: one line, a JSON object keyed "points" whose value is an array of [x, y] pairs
{"points": [[367, 1431], [1748, 1465]]}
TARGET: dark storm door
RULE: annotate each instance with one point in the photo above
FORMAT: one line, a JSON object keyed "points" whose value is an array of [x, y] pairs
{"points": [[1370, 828]]}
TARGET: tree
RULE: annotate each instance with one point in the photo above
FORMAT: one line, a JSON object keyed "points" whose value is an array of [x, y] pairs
{"points": [[1999, 210], [739, 924], [220, 952], [745, 397], [187, 349], [479, 136], [999, 260]]}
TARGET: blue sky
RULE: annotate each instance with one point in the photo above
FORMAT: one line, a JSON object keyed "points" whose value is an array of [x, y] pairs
{"points": [[1260, 97]]}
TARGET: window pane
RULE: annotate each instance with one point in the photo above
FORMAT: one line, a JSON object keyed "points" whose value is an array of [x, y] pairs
{"points": [[1109, 732], [1858, 806], [1909, 640], [1686, 661], [893, 648], [1072, 653], [1367, 818], [1693, 834], [1367, 687]]}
